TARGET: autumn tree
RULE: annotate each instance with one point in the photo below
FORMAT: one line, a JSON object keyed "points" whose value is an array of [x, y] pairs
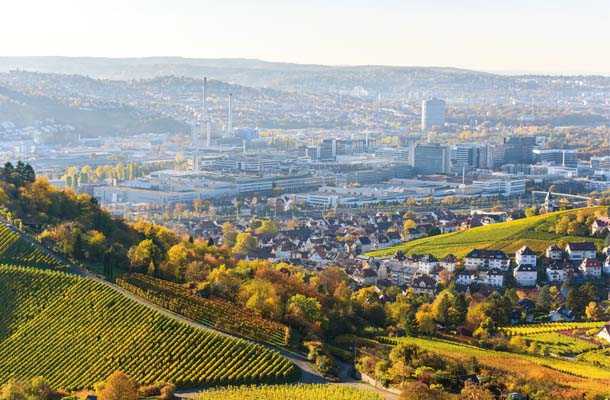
{"points": [[244, 243], [305, 311], [472, 391], [407, 225], [261, 297], [118, 386], [420, 391], [594, 312]]}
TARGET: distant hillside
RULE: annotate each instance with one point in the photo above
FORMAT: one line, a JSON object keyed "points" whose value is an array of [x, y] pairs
{"points": [[90, 120], [390, 81], [75, 332], [506, 236]]}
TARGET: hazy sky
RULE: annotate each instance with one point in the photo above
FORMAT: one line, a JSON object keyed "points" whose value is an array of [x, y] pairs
{"points": [[501, 35]]}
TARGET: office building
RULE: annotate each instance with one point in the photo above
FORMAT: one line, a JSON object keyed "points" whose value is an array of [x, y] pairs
{"points": [[468, 156], [600, 163], [432, 114], [432, 158], [327, 150], [565, 158], [519, 149]]}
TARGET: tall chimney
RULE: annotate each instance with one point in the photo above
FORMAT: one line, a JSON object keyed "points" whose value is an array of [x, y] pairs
{"points": [[230, 116]]}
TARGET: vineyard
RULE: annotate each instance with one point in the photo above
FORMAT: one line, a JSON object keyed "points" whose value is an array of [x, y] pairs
{"points": [[215, 313], [576, 374], [522, 330], [16, 250], [291, 392], [75, 332], [506, 236], [561, 344]]}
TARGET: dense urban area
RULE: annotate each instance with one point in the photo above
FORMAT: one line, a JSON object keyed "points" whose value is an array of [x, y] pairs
{"points": [[240, 229]]}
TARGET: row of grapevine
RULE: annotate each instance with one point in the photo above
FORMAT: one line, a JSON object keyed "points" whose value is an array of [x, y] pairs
{"points": [[291, 392], [16, 250], [522, 330], [215, 313], [90, 330], [26, 297]]}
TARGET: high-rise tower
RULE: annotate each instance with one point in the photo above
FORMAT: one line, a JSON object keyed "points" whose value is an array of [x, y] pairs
{"points": [[432, 114]]}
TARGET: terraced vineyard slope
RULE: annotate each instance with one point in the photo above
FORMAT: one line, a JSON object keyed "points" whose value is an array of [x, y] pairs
{"points": [[506, 236], [215, 313], [291, 392], [14, 249], [75, 332]]}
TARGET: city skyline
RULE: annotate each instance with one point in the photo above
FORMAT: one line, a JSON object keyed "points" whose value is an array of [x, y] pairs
{"points": [[529, 37]]}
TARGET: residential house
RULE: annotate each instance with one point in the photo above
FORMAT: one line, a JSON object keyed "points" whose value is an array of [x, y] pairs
{"points": [[486, 259], [493, 277], [600, 226], [556, 272], [465, 278], [448, 262], [526, 275], [604, 333], [591, 268], [426, 263], [525, 256], [561, 314], [399, 273], [366, 277], [424, 284], [581, 250], [554, 252]]}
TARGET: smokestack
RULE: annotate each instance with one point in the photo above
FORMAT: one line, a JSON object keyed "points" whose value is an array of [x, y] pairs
{"points": [[205, 98], [230, 116]]}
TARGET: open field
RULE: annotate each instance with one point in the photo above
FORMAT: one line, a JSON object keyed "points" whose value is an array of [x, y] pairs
{"points": [[75, 332], [573, 373], [506, 236], [291, 392]]}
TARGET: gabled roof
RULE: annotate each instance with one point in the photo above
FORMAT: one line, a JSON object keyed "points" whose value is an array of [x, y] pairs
{"points": [[526, 251], [581, 246], [449, 258], [489, 254], [424, 281]]}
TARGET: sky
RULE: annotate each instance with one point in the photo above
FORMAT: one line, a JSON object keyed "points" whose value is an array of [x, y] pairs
{"points": [[551, 36]]}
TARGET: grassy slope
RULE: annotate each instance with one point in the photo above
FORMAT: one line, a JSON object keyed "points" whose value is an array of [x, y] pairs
{"points": [[76, 332], [576, 374], [506, 236]]}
